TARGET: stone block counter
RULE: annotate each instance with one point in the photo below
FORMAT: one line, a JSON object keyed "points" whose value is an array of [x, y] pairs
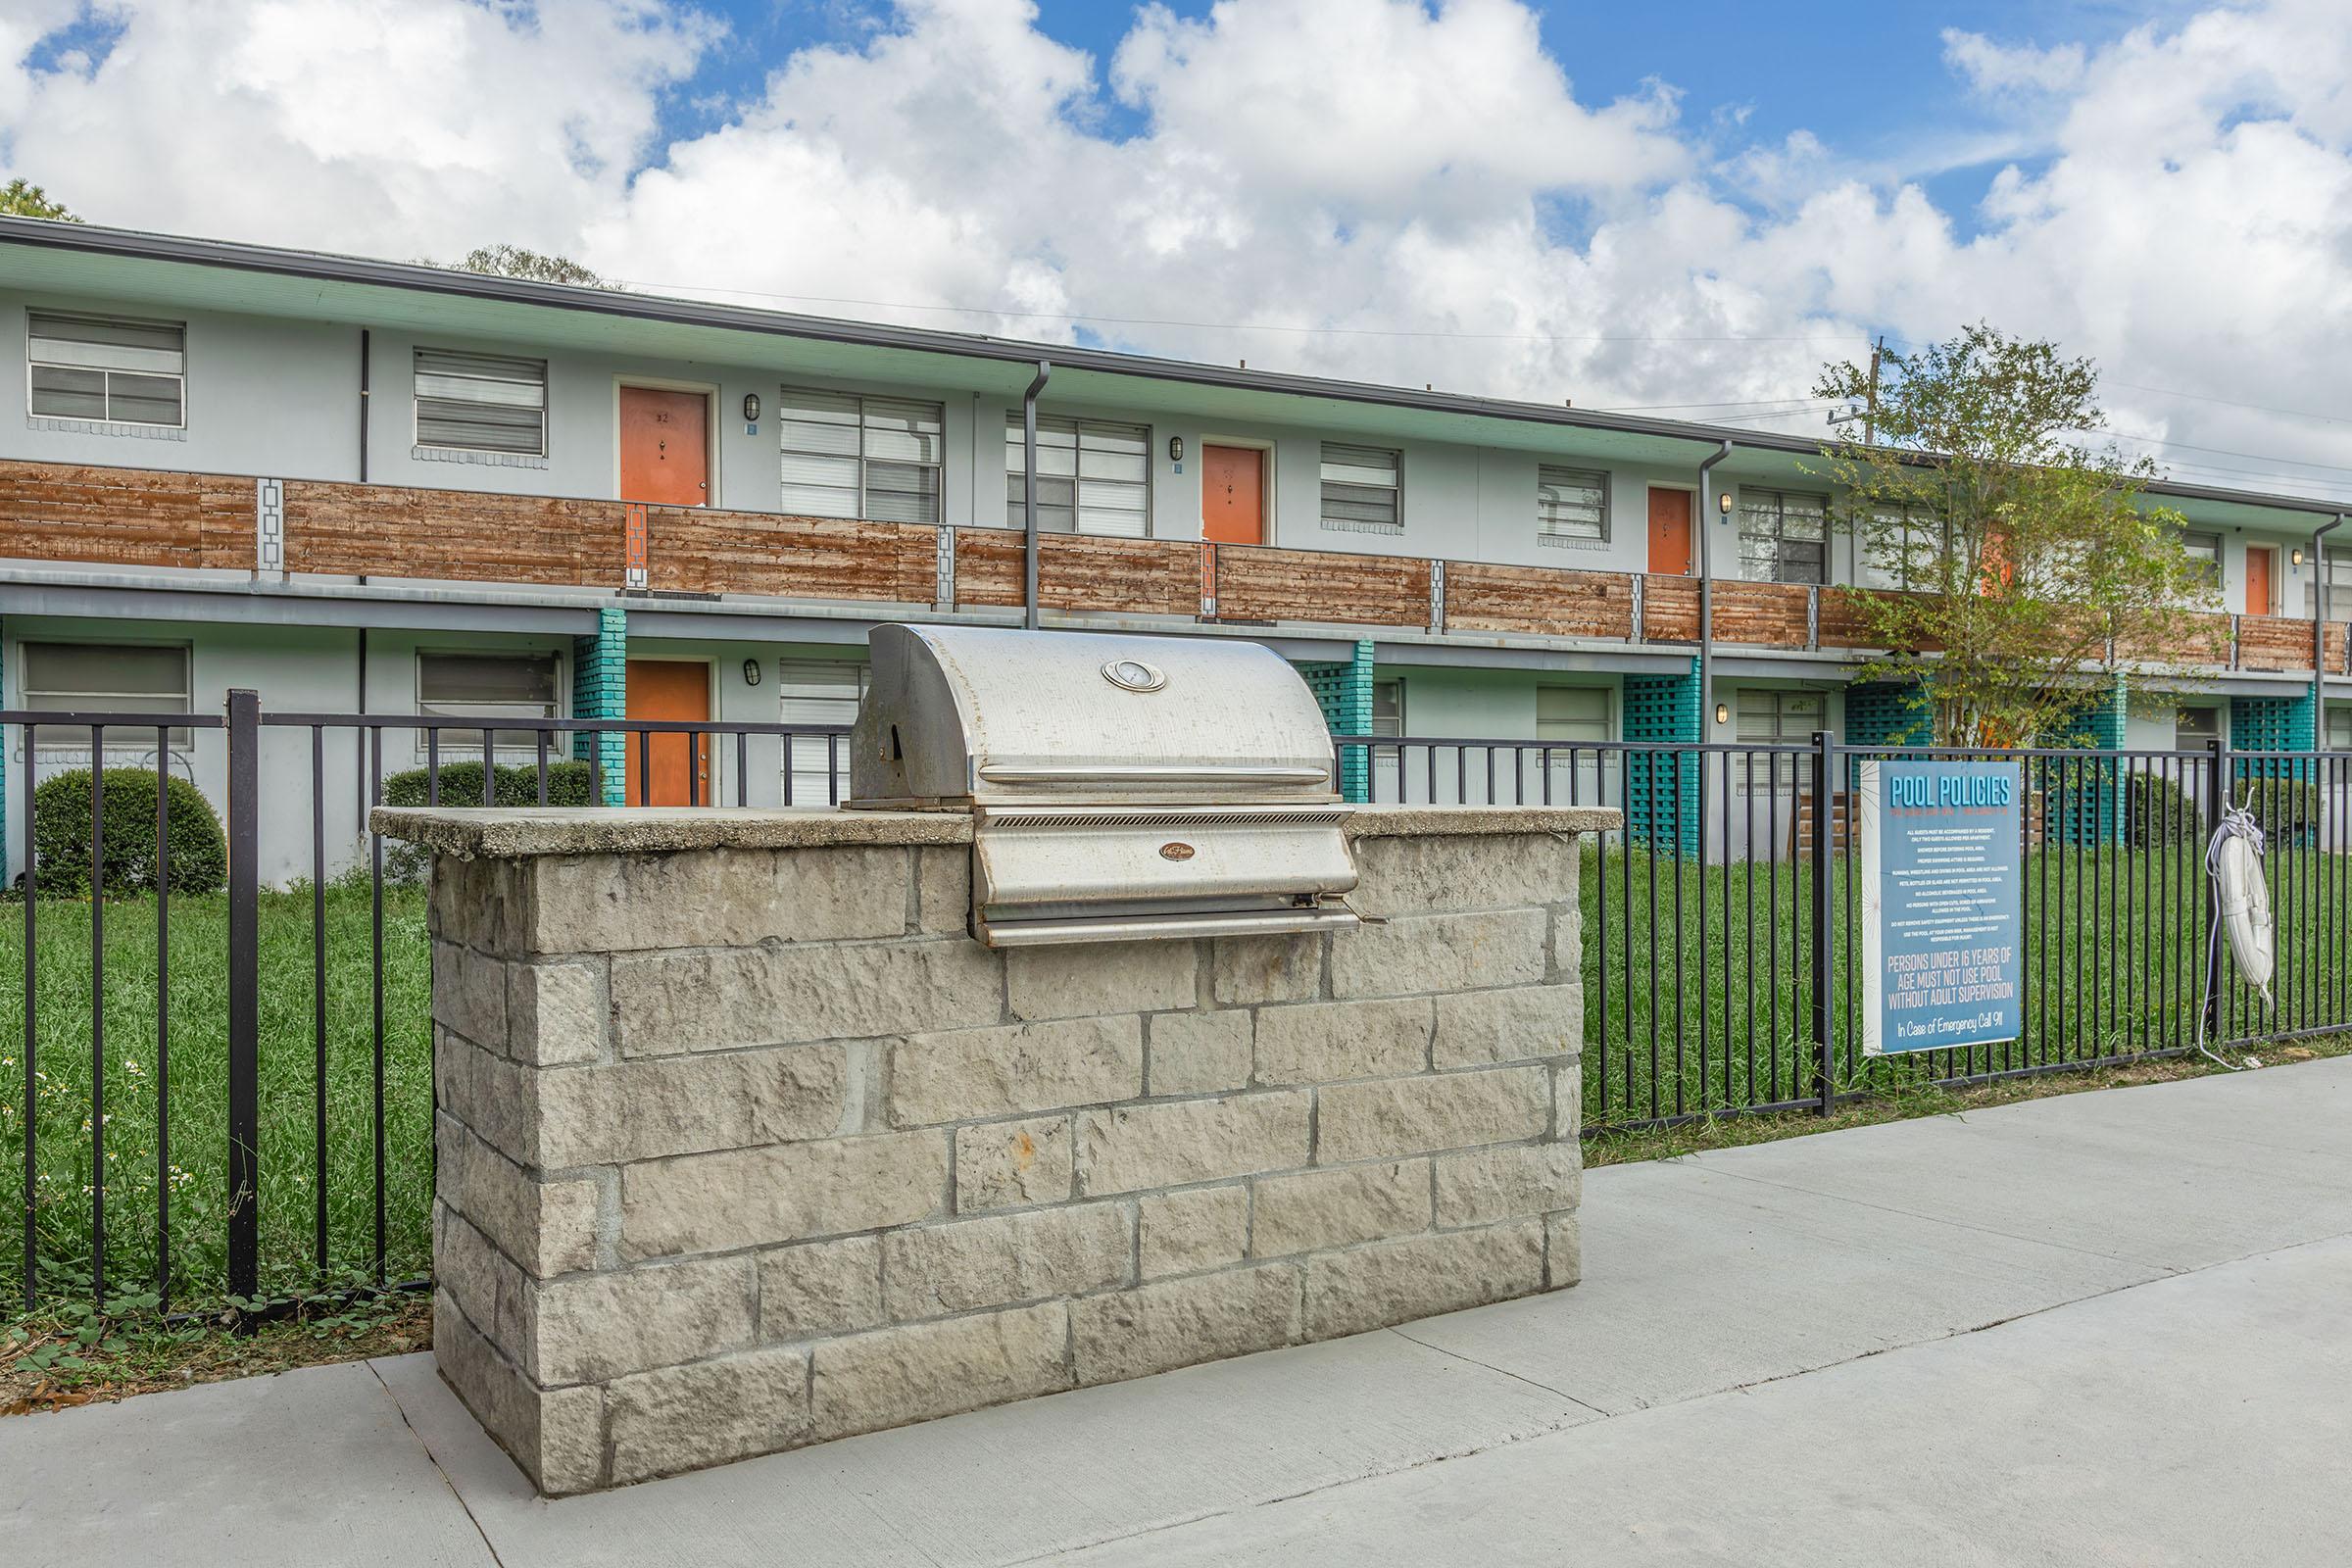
{"points": [[743, 1144]]}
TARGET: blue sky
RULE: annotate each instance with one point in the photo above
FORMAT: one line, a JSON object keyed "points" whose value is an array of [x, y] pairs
{"points": [[1867, 79]]}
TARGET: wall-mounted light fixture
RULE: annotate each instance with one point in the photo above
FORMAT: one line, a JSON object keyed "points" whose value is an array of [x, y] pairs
{"points": [[751, 408], [2296, 554], [1722, 713], [1722, 503], [1175, 449], [751, 672]]}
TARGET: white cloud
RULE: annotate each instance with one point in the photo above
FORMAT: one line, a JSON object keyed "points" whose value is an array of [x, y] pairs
{"points": [[1420, 182], [1995, 68]]}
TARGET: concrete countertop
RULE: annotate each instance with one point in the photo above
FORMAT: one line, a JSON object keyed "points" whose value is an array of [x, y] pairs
{"points": [[508, 833]]}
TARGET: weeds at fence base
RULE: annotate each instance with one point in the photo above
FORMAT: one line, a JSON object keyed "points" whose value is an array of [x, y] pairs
{"points": [[1606, 1146], [79, 1356]]}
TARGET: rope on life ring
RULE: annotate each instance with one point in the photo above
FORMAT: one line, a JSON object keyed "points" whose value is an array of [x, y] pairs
{"points": [[2241, 906]]}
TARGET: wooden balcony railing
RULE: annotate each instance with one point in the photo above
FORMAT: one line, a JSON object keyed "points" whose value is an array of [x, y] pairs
{"points": [[109, 516]]}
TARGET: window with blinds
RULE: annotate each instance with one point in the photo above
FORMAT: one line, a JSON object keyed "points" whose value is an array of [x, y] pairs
{"points": [[1572, 506], [2204, 552], [1093, 477], [495, 685], [2339, 590], [1387, 720], [481, 402], [105, 368], [846, 454], [819, 693], [1903, 549], [2340, 728], [2195, 729], [1363, 489], [102, 678], [1782, 537], [1776, 719], [1572, 713]]}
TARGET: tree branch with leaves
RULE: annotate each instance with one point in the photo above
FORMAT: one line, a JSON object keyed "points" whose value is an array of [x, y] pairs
{"points": [[2013, 563]]}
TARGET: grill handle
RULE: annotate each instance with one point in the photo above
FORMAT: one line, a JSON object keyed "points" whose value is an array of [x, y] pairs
{"points": [[1146, 773]]}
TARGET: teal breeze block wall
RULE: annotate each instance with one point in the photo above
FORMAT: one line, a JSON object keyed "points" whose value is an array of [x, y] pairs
{"points": [[2087, 796], [599, 689], [1345, 692], [2274, 724], [1662, 788]]}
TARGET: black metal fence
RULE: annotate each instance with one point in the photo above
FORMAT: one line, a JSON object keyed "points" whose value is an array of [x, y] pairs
{"points": [[1721, 924], [224, 1088], [224, 1081]]}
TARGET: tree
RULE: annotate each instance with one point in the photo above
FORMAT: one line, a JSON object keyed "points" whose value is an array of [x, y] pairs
{"points": [[2013, 567], [512, 261], [21, 198]]}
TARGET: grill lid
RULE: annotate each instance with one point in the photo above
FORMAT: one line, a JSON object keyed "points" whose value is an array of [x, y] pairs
{"points": [[976, 715], [1122, 788]]}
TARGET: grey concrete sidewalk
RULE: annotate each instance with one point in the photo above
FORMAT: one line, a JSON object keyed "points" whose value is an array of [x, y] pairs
{"points": [[2112, 1325]]}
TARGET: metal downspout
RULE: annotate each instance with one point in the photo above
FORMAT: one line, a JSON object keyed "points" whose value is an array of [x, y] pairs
{"points": [[2319, 633], [1706, 516], [1029, 614]]}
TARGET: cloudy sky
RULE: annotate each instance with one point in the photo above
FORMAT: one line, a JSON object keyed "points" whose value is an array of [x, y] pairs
{"points": [[1686, 209]]}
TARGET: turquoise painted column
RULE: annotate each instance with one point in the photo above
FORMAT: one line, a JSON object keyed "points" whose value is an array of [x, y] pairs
{"points": [[1880, 714], [2090, 807], [599, 689], [1662, 788], [1343, 691]]}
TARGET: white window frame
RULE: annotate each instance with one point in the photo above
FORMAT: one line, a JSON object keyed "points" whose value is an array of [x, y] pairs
{"points": [[417, 398], [33, 316], [2184, 739], [1922, 535], [101, 702], [2338, 568], [1755, 502], [1784, 770], [1388, 763], [1324, 459], [862, 456], [453, 748], [1548, 529], [2212, 584], [804, 757], [2340, 727], [1016, 457]]}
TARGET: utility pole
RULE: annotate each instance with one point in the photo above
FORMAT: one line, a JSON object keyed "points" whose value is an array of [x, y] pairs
{"points": [[1870, 418]]}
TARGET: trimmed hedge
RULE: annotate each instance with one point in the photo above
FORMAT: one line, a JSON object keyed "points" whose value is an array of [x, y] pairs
{"points": [[2287, 809], [2159, 814], [568, 783], [61, 834]]}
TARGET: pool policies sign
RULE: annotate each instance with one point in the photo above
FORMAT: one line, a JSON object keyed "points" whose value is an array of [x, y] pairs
{"points": [[1942, 844]]}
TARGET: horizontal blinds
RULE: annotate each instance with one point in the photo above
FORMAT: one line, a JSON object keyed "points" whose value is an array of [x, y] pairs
{"points": [[98, 367], [1571, 504], [1572, 713], [819, 692], [1093, 476], [481, 402], [1360, 487], [844, 455]]}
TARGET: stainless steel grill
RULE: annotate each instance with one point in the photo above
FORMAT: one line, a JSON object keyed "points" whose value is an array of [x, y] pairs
{"points": [[1122, 788]]}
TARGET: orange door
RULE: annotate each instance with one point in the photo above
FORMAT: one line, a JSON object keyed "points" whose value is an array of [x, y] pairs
{"points": [[665, 446], [678, 772], [1670, 534], [1233, 496], [2258, 582]]}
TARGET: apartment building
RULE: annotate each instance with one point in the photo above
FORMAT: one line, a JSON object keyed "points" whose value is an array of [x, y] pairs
{"points": [[361, 486]]}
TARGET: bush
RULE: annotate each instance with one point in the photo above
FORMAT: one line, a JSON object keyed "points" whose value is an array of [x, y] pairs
{"points": [[567, 784], [2287, 810], [61, 833], [2159, 814]]}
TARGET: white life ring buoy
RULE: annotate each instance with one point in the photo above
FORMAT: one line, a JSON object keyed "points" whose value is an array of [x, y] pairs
{"points": [[2244, 897]]}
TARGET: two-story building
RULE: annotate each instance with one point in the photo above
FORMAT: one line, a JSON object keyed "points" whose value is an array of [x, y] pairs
{"points": [[361, 486]]}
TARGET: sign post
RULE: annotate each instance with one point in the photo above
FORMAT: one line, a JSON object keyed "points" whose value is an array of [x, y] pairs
{"points": [[1943, 849]]}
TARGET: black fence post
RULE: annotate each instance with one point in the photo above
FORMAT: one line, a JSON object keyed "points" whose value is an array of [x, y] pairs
{"points": [[1825, 1042], [2218, 790], [244, 1017]]}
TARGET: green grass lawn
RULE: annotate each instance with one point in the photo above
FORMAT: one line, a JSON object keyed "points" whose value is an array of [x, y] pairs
{"points": [[1690, 1013], [197, 1172]]}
